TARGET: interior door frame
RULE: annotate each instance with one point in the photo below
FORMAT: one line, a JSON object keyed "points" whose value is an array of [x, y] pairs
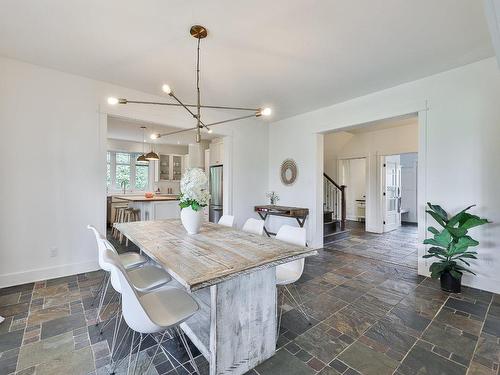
{"points": [[383, 203]]}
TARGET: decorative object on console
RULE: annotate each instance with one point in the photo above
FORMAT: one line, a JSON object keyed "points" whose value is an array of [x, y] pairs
{"points": [[288, 172], [198, 32], [450, 245], [273, 197], [194, 196]]}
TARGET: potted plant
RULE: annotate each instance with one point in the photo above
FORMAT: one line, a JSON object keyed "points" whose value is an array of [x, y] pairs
{"points": [[273, 197], [451, 246], [194, 196]]}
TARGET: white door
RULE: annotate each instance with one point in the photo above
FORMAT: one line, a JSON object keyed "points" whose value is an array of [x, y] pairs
{"points": [[391, 191]]}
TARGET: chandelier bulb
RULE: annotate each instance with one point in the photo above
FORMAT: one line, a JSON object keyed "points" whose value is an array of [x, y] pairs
{"points": [[266, 111], [166, 89], [112, 100]]}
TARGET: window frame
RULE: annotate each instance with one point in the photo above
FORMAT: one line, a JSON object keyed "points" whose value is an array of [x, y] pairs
{"points": [[132, 164]]}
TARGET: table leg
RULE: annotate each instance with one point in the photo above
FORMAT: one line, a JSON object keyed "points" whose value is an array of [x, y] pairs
{"points": [[243, 322], [264, 217]]}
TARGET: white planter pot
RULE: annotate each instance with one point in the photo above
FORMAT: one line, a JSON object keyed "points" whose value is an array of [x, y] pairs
{"points": [[191, 220]]}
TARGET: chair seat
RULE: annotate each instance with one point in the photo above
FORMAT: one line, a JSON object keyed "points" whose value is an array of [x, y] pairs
{"points": [[285, 275], [168, 306], [131, 260], [148, 277]]}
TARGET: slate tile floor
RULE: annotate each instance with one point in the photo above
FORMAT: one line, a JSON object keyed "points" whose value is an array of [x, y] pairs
{"points": [[398, 246], [368, 317]]}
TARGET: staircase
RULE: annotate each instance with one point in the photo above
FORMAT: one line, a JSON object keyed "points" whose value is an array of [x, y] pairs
{"points": [[333, 217]]}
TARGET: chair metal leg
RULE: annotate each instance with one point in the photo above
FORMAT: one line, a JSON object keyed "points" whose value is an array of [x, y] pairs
{"points": [[120, 346], [156, 352], [101, 301], [138, 352], [105, 308], [118, 322], [280, 307], [98, 291], [130, 353], [188, 350], [298, 305]]}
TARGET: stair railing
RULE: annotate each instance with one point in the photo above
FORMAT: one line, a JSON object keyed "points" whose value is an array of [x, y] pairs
{"points": [[332, 194]]}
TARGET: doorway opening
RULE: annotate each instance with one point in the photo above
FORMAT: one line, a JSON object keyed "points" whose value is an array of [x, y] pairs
{"points": [[370, 190]]}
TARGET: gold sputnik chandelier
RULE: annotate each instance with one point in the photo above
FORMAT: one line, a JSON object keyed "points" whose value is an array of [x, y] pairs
{"points": [[198, 32]]}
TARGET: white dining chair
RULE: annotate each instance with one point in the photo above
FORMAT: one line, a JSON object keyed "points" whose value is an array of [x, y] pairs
{"points": [[129, 260], [157, 312], [287, 274], [226, 220], [254, 226]]}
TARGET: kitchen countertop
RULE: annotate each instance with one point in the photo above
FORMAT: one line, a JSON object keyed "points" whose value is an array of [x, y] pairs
{"points": [[142, 198]]}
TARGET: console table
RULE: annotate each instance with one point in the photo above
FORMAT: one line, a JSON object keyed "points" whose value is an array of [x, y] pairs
{"points": [[298, 213]]}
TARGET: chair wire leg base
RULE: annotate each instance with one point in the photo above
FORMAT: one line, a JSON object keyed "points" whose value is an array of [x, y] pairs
{"points": [[298, 305]]}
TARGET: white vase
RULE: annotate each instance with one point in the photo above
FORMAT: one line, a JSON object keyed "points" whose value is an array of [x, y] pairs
{"points": [[191, 220]]}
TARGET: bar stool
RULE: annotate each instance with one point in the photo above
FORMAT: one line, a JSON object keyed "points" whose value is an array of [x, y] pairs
{"points": [[131, 214], [119, 218]]}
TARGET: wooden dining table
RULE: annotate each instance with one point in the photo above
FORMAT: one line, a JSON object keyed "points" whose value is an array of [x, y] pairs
{"points": [[232, 275]]}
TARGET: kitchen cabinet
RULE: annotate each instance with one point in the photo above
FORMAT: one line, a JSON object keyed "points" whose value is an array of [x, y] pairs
{"points": [[217, 152], [169, 168]]}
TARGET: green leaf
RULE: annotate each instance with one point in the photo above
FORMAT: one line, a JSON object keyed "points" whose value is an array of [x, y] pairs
{"points": [[457, 275], [438, 210], [437, 218], [463, 261], [456, 232], [455, 219], [438, 250], [433, 230], [444, 238], [473, 221]]}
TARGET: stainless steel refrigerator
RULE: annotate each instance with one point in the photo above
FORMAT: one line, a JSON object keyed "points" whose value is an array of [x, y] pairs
{"points": [[215, 182]]}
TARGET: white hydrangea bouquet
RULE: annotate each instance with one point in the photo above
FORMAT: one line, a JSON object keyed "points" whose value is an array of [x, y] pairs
{"points": [[194, 189], [194, 196]]}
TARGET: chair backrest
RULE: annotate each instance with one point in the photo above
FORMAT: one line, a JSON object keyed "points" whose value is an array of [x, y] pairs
{"points": [[295, 236], [135, 315], [292, 235], [101, 247], [115, 280], [254, 226], [226, 220]]}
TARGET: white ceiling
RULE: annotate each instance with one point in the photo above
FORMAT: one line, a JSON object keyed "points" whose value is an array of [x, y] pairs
{"points": [[130, 130], [294, 55]]}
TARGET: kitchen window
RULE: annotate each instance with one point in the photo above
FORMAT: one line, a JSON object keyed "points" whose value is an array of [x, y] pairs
{"points": [[124, 169]]}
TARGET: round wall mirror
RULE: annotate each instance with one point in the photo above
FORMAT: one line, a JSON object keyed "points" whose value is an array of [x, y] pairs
{"points": [[288, 172]]}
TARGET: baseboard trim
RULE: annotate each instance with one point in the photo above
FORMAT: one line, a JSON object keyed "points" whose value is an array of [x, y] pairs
{"points": [[39, 274]]}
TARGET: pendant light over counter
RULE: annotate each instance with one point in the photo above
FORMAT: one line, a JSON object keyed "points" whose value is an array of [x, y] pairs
{"points": [[142, 157], [150, 155]]}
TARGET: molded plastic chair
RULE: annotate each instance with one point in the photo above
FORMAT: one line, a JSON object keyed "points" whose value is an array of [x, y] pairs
{"points": [[288, 273], [158, 311], [254, 226], [226, 220]]}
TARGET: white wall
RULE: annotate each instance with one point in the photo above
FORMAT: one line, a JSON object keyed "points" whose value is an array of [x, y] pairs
{"points": [[53, 149], [458, 148], [409, 186]]}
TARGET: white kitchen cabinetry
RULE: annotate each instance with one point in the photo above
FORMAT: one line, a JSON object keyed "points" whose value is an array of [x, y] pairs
{"points": [[158, 210], [169, 168], [217, 152]]}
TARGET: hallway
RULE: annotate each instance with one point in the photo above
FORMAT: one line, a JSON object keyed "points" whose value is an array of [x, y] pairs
{"points": [[397, 247]]}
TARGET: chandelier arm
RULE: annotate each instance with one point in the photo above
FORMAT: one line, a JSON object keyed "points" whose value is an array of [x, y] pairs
{"points": [[232, 119], [176, 132], [193, 105], [185, 107]]}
